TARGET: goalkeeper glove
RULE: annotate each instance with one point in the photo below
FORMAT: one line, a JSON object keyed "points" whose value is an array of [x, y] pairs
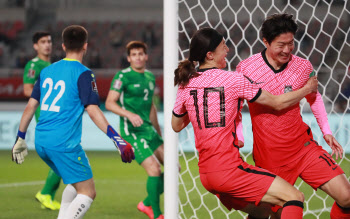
{"points": [[125, 149], [19, 150]]}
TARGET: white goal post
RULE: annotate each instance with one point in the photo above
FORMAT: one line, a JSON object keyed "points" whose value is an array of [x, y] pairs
{"points": [[323, 38]]}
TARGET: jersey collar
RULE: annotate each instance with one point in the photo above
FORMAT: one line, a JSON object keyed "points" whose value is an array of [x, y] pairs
{"points": [[67, 59], [205, 69], [263, 54]]}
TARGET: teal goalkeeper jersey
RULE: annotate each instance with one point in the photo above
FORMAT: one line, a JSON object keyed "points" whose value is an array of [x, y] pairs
{"points": [[136, 93]]}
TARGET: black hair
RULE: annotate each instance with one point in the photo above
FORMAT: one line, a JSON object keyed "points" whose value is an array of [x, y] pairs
{"points": [[277, 24], [38, 35], [203, 41], [74, 37]]}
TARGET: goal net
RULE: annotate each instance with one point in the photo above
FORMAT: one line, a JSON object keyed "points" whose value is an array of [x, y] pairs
{"points": [[323, 38]]}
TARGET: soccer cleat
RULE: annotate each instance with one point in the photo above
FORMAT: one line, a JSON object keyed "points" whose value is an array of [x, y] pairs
{"points": [[160, 217], [146, 209], [45, 201], [56, 204]]}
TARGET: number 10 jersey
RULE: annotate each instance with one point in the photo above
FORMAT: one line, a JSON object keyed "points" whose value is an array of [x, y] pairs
{"points": [[213, 101]]}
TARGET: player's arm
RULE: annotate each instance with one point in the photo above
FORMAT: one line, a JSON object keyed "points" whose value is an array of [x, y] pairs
{"points": [[19, 149], [101, 122], [179, 122], [28, 89], [154, 119], [111, 105], [239, 127], [90, 99], [319, 111], [279, 102]]}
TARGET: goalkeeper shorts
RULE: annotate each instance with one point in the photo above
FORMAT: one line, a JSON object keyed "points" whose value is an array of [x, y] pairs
{"points": [[72, 166]]}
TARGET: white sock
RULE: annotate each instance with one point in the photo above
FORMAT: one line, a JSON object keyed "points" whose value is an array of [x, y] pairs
{"points": [[78, 207], [68, 195]]}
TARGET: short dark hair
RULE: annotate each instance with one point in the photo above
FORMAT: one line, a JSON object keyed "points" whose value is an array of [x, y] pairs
{"points": [[136, 45], [38, 35], [277, 24], [74, 37]]}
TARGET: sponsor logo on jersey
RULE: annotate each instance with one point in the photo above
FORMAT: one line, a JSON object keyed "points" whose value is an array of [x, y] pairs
{"points": [[136, 85], [117, 84], [94, 86], [288, 88], [31, 73], [251, 81]]}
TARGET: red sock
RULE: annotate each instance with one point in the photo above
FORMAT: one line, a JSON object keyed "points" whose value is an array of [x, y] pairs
{"points": [[292, 209], [339, 212]]}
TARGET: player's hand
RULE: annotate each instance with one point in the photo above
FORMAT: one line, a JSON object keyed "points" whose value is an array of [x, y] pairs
{"points": [[125, 149], [312, 84], [19, 150], [240, 144], [337, 149], [135, 119]]}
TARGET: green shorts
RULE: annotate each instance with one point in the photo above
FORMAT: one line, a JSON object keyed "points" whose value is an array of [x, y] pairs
{"points": [[144, 144]]}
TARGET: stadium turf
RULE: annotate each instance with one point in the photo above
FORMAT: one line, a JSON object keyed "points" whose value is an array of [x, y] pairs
{"points": [[119, 189]]}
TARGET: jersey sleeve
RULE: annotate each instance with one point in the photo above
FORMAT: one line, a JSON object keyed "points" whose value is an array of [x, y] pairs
{"points": [[247, 90], [29, 73], [36, 90], [88, 89], [118, 82], [179, 107]]}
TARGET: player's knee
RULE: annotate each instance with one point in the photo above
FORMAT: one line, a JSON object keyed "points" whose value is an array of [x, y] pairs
{"points": [[344, 200], [297, 196]]}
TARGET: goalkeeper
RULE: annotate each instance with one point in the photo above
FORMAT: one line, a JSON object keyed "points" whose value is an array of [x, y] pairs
{"points": [[64, 90], [43, 46]]}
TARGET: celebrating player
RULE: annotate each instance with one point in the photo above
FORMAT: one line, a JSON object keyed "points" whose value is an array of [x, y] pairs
{"points": [[290, 150], [209, 98], [64, 90], [43, 46], [131, 97]]}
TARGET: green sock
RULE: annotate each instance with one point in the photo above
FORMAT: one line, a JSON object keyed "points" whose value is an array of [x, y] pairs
{"points": [[147, 201], [153, 195], [51, 185]]}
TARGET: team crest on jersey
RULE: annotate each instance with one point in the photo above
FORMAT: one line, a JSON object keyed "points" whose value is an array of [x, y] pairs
{"points": [[94, 86], [31, 73], [151, 85], [117, 84], [288, 88]]}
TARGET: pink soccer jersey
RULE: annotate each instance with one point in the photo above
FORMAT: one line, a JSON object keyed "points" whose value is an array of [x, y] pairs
{"points": [[279, 135], [212, 101]]}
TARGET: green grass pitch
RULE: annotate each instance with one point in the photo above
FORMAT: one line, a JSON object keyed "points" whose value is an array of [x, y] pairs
{"points": [[119, 188]]}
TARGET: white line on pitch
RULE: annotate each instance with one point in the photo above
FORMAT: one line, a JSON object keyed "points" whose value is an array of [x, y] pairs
{"points": [[33, 183]]}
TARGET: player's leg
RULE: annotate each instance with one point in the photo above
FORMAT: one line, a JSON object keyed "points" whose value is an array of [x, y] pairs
{"points": [[339, 189], [284, 194], [75, 169], [321, 171], [86, 193], [49, 191], [152, 167], [68, 195]]}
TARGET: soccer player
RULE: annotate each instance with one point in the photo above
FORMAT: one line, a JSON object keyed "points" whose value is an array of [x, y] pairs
{"points": [[290, 150], [64, 90], [42, 44], [210, 98], [131, 97]]}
